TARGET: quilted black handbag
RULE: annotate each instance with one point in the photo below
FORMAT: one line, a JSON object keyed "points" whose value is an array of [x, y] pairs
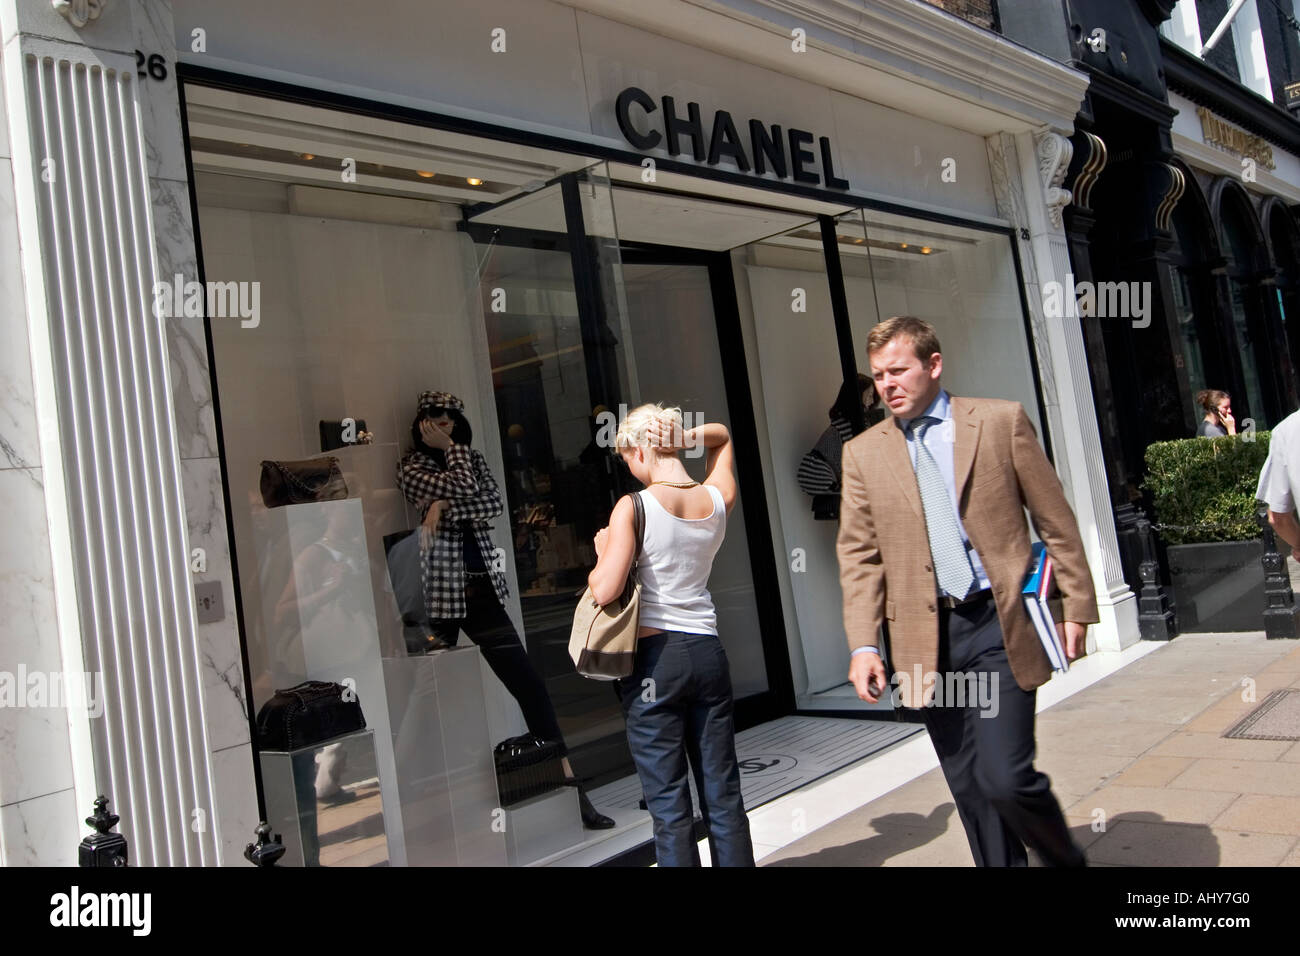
{"points": [[311, 713], [526, 767], [299, 482]]}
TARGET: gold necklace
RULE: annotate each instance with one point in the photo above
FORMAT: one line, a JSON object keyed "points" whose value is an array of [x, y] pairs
{"points": [[676, 484]]}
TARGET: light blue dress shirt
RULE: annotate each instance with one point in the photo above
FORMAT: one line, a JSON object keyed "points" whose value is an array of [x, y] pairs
{"points": [[939, 439]]}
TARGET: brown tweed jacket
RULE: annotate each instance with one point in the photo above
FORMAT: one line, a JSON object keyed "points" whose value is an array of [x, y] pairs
{"points": [[886, 572]]}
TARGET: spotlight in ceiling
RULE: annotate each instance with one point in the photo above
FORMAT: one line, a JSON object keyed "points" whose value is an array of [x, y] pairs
{"points": [[474, 182], [925, 250], [307, 156], [424, 173]]}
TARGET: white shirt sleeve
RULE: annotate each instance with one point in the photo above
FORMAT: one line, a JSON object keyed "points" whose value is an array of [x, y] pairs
{"points": [[1274, 479]]}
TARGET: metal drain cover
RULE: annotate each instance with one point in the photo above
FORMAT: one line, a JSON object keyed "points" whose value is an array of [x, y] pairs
{"points": [[1276, 718]]}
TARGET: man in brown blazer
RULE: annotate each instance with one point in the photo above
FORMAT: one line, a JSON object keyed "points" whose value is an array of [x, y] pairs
{"points": [[933, 540]]}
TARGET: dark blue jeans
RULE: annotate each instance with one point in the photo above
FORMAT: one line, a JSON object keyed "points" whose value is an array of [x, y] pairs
{"points": [[679, 705]]}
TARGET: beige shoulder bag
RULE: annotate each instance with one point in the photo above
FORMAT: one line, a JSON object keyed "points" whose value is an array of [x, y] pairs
{"points": [[603, 641]]}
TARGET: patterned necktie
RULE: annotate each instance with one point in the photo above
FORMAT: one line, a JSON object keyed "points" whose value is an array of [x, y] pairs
{"points": [[951, 563]]}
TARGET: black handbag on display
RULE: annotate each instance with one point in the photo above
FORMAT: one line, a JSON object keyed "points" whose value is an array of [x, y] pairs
{"points": [[526, 767], [311, 713], [300, 482]]}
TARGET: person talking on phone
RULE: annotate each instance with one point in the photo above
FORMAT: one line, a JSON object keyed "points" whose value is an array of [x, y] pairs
{"points": [[1218, 420]]}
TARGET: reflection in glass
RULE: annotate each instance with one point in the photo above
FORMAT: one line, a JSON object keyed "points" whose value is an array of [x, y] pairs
{"points": [[1188, 335], [1246, 350]]}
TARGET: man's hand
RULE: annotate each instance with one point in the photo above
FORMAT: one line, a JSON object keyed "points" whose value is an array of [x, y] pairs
{"points": [[867, 674], [1075, 638]]}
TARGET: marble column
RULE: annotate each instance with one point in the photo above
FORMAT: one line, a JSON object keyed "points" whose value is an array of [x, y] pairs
{"points": [[114, 451], [1027, 174]]}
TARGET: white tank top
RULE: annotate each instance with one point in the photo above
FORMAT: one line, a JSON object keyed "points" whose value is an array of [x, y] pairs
{"points": [[676, 558]]}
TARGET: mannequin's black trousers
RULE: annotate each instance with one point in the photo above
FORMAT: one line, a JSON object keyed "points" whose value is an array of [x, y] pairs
{"points": [[489, 626]]}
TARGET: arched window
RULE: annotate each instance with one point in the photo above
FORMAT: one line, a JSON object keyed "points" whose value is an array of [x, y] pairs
{"points": [[1247, 312], [1187, 278]]}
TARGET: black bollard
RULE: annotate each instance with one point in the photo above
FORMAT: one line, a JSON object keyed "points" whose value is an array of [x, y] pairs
{"points": [[1280, 611], [1156, 620], [102, 848], [266, 851]]}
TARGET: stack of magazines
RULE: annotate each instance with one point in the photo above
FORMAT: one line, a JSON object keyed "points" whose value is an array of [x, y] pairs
{"points": [[1036, 590]]}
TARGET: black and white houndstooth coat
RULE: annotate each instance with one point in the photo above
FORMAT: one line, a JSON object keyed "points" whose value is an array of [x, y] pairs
{"points": [[467, 483]]}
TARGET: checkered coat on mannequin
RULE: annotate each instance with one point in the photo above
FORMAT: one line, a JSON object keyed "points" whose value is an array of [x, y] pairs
{"points": [[467, 483]]}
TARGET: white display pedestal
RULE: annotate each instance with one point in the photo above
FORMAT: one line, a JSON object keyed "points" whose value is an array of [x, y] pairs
{"points": [[446, 777], [542, 825], [319, 603], [324, 803]]}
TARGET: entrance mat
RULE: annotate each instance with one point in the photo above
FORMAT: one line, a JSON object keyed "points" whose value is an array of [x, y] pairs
{"points": [[781, 756], [1277, 718]]}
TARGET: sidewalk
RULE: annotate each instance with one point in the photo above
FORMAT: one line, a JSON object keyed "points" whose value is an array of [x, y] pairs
{"points": [[1141, 750]]}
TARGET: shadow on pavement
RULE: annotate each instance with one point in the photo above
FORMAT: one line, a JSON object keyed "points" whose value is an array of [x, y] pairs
{"points": [[895, 833], [1148, 839]]}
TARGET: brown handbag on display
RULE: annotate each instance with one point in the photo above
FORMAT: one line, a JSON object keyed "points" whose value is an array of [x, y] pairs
{"points": [[300, 482], [603, 640]]}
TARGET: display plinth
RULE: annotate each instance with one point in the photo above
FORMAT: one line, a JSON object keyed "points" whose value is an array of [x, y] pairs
{"points": [[326, 804], [542, 825], [320, 619], [446, 779]]}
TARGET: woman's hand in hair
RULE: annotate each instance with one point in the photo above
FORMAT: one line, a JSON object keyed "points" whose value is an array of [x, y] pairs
{"points": [[666, 435], [434, 436]]}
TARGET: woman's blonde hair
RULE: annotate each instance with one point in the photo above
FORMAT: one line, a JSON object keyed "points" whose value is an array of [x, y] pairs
{"points": [[632, 430]]}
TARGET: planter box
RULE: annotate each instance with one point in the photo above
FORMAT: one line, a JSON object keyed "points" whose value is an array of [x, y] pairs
{"points": [[1218, 586]]}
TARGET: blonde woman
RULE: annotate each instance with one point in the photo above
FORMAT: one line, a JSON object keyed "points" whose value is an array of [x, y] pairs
{"points": [[678, 701]]}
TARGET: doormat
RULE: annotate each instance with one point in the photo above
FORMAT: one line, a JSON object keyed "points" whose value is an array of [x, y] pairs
{"points": [[1277, 718], [781, 756]]}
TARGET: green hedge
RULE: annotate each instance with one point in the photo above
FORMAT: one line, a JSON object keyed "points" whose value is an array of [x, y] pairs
{"points": [[1204, 488]]}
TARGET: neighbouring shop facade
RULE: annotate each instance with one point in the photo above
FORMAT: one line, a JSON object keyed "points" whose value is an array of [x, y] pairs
{"points": [[551, 211]]}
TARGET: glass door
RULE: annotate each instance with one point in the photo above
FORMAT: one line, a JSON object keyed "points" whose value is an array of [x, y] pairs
{"points": [[551, 287], [673, 347]]}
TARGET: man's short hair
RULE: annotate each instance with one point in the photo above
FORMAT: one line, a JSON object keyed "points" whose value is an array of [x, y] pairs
{"points": [[917, 331]]}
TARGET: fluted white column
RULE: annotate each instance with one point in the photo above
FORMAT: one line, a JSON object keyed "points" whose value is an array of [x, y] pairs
{"points": [[113, 483], [1027, 173]]}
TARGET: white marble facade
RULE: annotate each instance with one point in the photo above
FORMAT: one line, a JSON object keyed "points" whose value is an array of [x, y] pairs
{"points": [[40, 821]]}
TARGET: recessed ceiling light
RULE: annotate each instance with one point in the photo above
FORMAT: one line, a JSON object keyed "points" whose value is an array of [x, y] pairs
{"points": [[424, 173], [307, 156], [474, 182], [925, 250], [902, 245]]}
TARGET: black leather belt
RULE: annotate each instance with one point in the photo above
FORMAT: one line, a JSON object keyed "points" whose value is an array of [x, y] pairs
{"points": [[951, 602]]}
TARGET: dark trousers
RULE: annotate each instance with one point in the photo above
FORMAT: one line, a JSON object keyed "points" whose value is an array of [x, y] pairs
{"points": [[489, 626], [1003, 802], [678, 704]]}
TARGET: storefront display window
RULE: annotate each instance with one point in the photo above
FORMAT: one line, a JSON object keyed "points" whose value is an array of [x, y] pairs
{"points": [[417, 430]]}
